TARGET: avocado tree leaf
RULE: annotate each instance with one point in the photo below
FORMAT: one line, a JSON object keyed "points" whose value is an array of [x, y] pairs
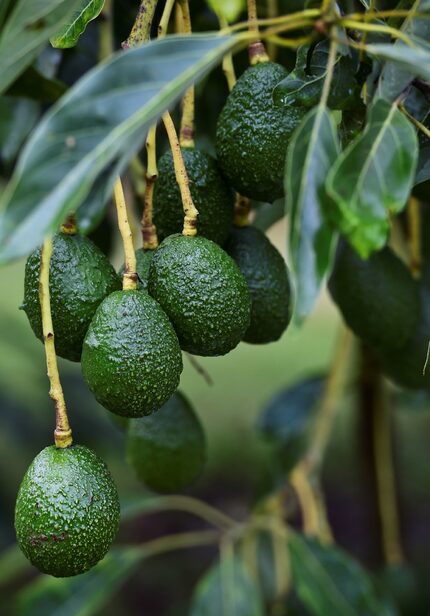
{"points": [[403, 63], [31, 84], [373, 177], [227, 590], [312, 150], [329, 581], [266, 214], [423, 166], [82, 595], [27, 31], [229, 9], [303, 86], [17, 117], [94, 130], [69, 34]]}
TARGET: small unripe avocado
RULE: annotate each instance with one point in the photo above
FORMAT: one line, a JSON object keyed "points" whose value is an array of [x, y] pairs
{"points": [[80, 277], [167, 449], [67, 511], [377, 297], [211, 195], [266, 273], [131, 358], [203, 293], [253, 134], [143, 260]]}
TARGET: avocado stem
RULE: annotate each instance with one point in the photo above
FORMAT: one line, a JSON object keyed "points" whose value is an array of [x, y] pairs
{"points": [[63, 432], [149, 231], [69, 225], [165, 18], [141, 30], [242, 208], [186, 132], [227, 61], [129, 281], [190, 211], [256, 50]]}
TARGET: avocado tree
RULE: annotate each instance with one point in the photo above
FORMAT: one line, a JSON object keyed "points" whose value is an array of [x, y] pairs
{"points": [[210, 122]]}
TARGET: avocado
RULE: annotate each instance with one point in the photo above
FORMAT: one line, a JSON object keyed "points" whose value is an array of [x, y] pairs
{"points": [[253, 134], [80, 277], [211, 195], [203, 293], [143, 260], [131, 358], [67, 511], [266, 273], [167, 449], [378, 297]]}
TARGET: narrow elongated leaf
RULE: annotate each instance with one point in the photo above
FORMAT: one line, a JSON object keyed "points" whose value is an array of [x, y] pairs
{"points": [[328, 581], [17, 118], [94, 130], [413, 62], [373, 177], [27, 31], [69, 34], [312, 151]]}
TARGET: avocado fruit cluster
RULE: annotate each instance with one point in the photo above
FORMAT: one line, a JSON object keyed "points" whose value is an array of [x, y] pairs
{"points": [[167, 449], [67, 511]]}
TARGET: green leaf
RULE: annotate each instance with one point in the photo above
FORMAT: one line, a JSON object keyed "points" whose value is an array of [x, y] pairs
{"points": [[303, 86], [311, 152], [329, 581], [94, 130], [35, 86], [17, 118], [266, 214], [69, 34], [82, 595], [27, 31], [229, 9], [372, 177], [423, 166], [226, 590]]}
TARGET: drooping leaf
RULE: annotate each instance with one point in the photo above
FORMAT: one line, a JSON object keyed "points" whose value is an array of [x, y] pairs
{"points": [[303, 86], [311, 152], [35, 86], [17, 118], [94, 130], [266, 214], [82, 595], [27, 31], [329, 581], [226, 590], [71, 31], [229, 9], [372, 177]]}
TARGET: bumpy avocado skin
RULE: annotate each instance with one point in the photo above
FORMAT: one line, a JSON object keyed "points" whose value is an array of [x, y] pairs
{"points": [[131, 358], [378, 297], [203, 293], [167, 449], [143, 261], [67, 511], [213, 198], [80, 277], [253, 134], [266, 273]]}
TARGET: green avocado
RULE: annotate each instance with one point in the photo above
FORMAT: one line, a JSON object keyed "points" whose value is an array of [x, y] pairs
{"points": [[213, 198], [203, 293], [131, 358], [378, 297], [266, 273], [143, 260], [67, 511], [80, 277], [167, 449], [253, 134]]}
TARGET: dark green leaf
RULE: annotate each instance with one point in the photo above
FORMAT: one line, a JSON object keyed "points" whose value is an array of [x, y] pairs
{"points": [[266, 214], [311, 152], [423, 166], [226, 590], [17, 118], [27, 31], [35, 86], [373, 177], [83, 595], [329, 581], [304, 84], [71, 31], [95, 129]]}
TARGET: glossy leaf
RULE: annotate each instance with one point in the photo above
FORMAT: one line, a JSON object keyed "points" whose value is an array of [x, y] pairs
{"points": [[27, 31], [94, 130], [403, 62], [69, 34], [303, 86], [311, 152], [373, 177], [329, 581], [17, 118], [226, 590], [82, 595]]}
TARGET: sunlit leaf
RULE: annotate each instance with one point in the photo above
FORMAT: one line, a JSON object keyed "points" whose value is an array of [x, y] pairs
{"points": [[229, 9], [69, 34]]}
